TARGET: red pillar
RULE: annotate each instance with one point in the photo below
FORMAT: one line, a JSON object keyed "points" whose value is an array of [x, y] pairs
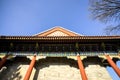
{"points": [[113, 65], [29, 71], [4, 59], [82, 71]]}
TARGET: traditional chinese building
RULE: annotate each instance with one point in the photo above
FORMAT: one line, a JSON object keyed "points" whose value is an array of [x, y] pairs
{"points": [[60, 42]]}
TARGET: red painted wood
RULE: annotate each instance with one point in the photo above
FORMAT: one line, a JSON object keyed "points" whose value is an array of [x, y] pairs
{"points": [[4, 59], [82, 70], [29, 71], [113, 65]]}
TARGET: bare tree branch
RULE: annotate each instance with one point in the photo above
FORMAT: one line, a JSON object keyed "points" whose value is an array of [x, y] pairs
{"points": [[106, 11], [112, 30]]}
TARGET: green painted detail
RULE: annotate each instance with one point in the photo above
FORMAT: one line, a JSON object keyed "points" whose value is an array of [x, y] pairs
{"points": [[61, 53]]}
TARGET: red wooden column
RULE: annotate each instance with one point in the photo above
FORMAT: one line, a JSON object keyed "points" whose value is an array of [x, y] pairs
{"points": [[4, 59], [82, 71], [113, 65], [29, 71]]}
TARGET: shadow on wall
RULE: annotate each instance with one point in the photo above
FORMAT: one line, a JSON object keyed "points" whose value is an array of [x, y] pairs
{"points": [[93, 60], [10, 70], [42, 63], [105, 62]]}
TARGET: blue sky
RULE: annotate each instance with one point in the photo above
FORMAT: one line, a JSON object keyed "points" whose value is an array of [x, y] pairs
{"points": [[112, 73], [28, 17]]}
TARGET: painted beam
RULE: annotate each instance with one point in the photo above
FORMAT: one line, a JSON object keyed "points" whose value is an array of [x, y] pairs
{"points": [[81, 68], [113, 65], [2, 62], [29, 71]]}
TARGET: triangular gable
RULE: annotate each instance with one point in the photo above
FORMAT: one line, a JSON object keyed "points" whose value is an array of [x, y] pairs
{"points": [[58, 31]]}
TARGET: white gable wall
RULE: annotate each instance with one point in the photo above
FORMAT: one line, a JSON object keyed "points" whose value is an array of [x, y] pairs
{"points": [[57, 33]]}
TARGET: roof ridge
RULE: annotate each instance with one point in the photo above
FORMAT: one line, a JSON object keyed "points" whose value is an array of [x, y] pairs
{"points": [[57, 28]]}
